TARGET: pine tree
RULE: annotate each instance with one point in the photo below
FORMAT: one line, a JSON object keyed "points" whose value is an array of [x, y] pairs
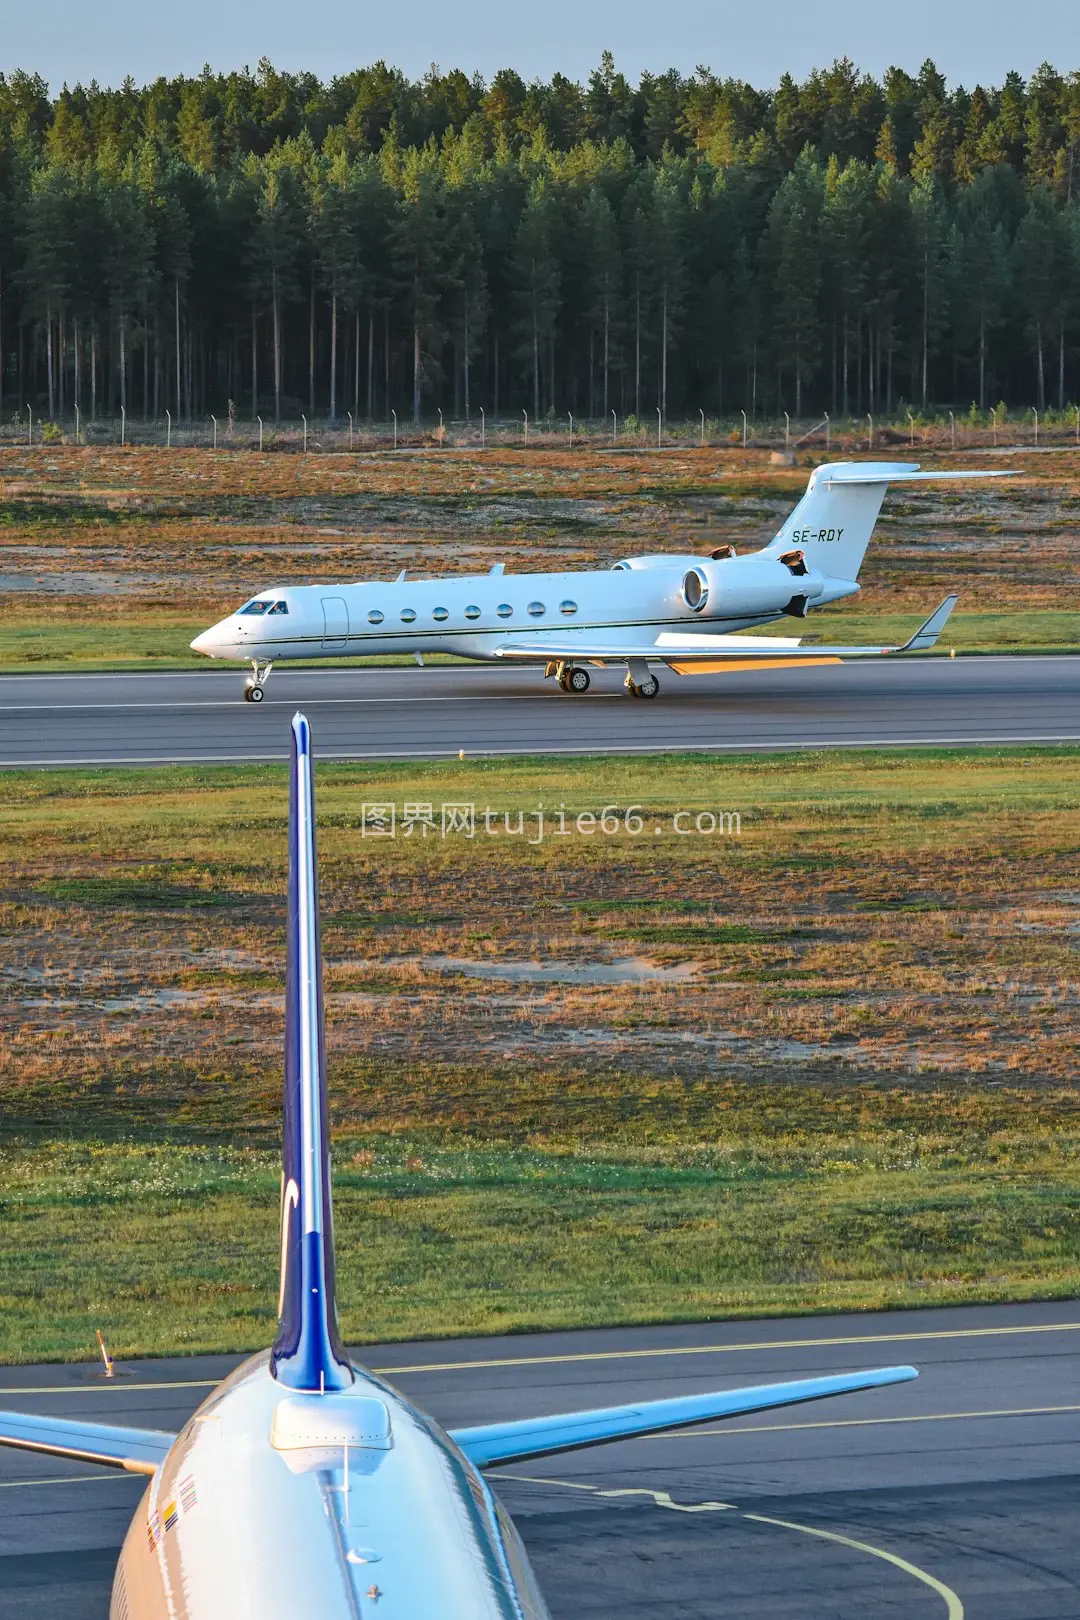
{"points": [[792, 248], [603, 259], [419, 235], [275, 249], [538, 281]]}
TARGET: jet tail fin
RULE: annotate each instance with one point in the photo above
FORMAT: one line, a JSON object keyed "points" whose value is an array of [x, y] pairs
{"points": [[835, 519], [307, 1352]]}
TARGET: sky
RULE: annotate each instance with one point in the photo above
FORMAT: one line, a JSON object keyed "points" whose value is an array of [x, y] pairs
{"points": [[972, 41]]}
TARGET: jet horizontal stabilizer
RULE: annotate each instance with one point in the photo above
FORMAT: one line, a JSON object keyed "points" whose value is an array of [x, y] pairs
{"points": [[138, 1451], [496, 1443]]}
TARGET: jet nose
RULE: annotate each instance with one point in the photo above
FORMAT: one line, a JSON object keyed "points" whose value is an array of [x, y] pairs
{"points": [[210, 642]]}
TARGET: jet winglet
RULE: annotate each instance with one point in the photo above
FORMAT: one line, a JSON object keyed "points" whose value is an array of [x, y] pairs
{"points": [[927, 634], [307, 1352]]}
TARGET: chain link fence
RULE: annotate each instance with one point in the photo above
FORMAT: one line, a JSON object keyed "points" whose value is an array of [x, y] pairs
{"points": [[1002, 427]]}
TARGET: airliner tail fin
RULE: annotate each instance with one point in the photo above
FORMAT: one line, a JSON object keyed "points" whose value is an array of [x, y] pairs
{"points": [[307, 1352]]}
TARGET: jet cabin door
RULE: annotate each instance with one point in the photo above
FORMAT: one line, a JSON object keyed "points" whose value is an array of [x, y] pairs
{"points": [[335, 623]]}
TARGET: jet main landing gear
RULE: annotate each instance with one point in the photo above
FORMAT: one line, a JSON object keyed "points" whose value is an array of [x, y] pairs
{"points": [[647, 688], [256, 681], [573, 680]]}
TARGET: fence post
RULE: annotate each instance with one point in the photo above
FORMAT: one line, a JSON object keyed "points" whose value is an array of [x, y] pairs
{"points": [[828, 433], [168, 427], [659, 425], [483, 426], [570, 414], [614, 428], [76, 424], [701, 413], [349, 415], [259, 420], [30, 429], [1035, 414], [743, 429], [525, 414], [123, 427], [213, 419], [787, 431], [993, 421], [952, 428], [911, 433], [870, 440], [393, 413]]}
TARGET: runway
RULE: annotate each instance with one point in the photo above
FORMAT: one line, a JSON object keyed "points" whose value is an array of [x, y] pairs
{"points": [[956, 1495], [411, 713]]}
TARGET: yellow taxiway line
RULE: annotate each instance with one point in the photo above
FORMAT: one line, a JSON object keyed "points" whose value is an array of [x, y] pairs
{"points": [[658, 1353]]}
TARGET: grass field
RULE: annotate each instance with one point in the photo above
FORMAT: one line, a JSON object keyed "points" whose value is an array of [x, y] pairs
{"points": [[826, 1061], [115, 558]]}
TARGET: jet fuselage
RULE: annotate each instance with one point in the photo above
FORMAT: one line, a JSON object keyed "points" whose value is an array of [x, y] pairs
{"points": [[273, 1504]]}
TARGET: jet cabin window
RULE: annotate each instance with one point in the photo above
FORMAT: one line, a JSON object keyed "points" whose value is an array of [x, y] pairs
{"points": [[537, 610], [256, 607]]}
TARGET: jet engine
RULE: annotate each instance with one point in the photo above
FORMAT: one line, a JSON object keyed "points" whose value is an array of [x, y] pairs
{"points": [[735, 586]]}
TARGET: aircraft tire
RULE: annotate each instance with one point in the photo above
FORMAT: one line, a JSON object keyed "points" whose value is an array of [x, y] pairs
{"points": [[649, 688], [254, 694], [578, 681]]}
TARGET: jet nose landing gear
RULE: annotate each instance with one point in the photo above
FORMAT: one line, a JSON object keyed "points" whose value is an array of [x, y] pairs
{"points": [[256, 681]]}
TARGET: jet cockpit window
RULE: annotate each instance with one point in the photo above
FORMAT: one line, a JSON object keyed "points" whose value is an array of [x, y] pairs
{"points": [[279, 607], [256, 607]]}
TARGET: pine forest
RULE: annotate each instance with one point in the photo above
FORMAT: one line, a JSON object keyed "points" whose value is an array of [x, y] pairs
{"points": [[265, 243]]}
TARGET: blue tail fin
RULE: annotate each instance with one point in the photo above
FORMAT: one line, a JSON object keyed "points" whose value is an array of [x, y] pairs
{"points": [[307, 1352]]}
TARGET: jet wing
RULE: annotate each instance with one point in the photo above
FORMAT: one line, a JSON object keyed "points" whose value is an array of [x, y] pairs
{"points": [[720, 651], [139, 1451], [497, 1443]]}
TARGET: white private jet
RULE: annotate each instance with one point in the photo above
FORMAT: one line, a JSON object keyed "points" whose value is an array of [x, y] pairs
{"points": [[680, 611], [305, 1487]]}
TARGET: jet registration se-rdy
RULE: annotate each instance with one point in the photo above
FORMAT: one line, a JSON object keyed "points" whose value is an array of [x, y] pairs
{"points": [[304, 1487], [682, 612]]}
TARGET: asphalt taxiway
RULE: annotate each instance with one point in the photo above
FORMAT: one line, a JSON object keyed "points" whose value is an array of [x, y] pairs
{"points": [[955, 1495], [405, 713]]}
